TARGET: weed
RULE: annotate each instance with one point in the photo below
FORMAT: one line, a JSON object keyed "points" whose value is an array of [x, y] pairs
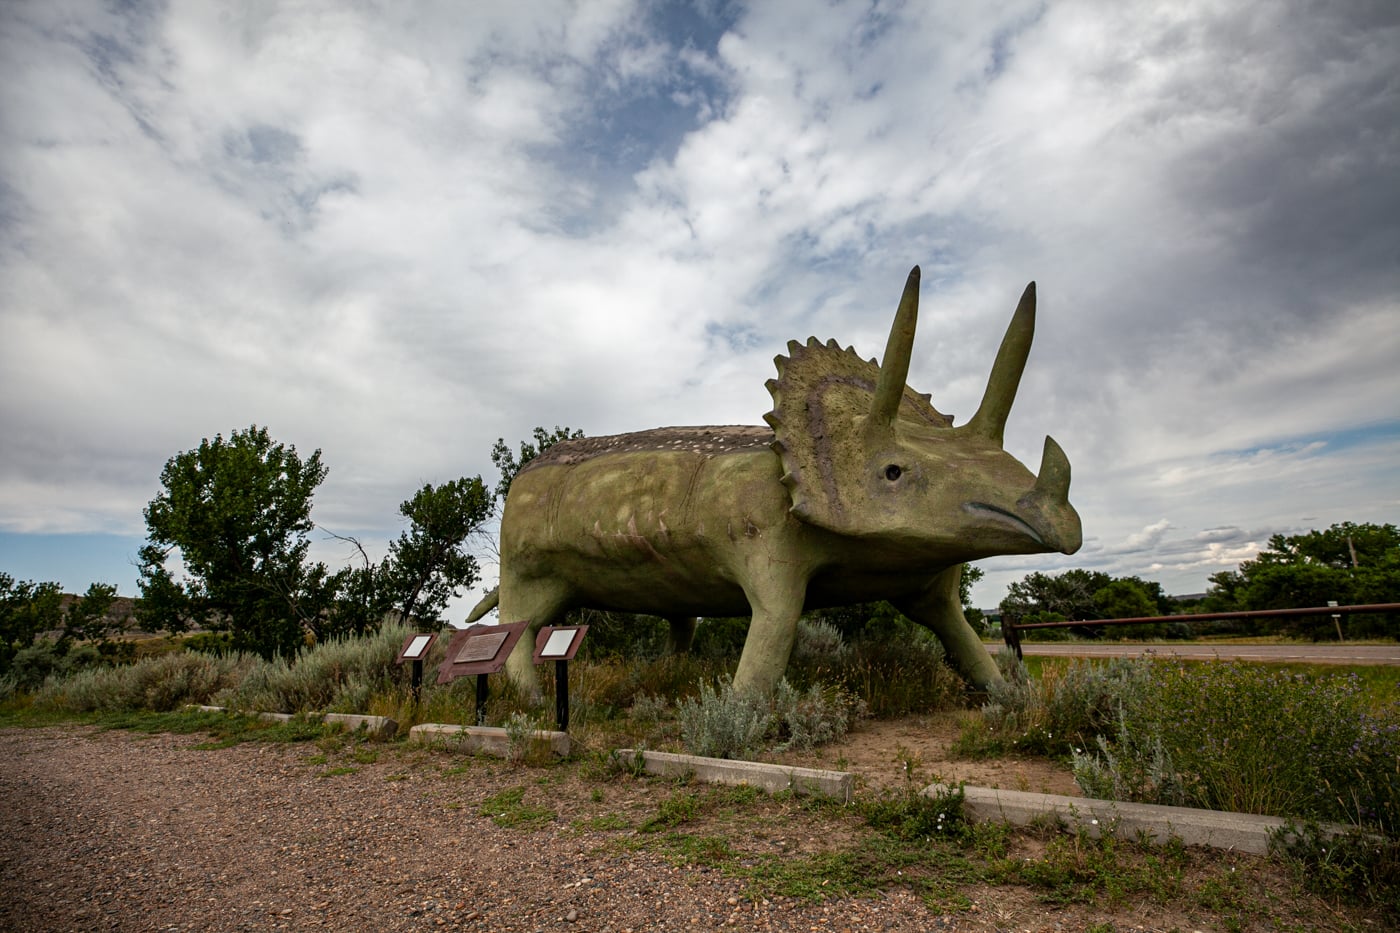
{"points": [[524, 744], [508, 810], [680, 807], [603, 822], [1356, 867], [911, 816]]}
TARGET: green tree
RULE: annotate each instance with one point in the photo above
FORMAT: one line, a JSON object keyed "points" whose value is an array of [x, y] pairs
{"points": [[426, 566], [1124, 598], [429, 564], [509, 464], [1127, 598], [1069, 594], [87, 619], [27, 609], [236, 513], [1348, 562]]}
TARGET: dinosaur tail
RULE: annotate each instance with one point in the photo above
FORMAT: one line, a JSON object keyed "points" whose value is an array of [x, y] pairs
{"points": [[488, 602]]}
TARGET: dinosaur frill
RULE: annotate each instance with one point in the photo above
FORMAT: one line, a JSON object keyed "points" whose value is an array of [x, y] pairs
{"points": [[821, 393]]}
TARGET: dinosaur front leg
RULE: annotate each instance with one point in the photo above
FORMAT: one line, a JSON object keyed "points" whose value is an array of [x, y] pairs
{"points": [[939, 608], [540, 602], [776, 600]]}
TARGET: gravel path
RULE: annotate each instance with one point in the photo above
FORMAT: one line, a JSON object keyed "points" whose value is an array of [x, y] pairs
{"points": [[125, 831], [121, 831]]}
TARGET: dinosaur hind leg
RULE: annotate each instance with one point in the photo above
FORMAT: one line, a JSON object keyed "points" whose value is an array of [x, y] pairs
{"points": [[682, 633]]}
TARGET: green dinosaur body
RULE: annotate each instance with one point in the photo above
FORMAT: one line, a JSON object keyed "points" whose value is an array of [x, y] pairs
{"points": [[860, 491]]}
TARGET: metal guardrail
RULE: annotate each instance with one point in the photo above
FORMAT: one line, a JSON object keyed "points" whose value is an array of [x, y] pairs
{"points": [[1011, 633]]}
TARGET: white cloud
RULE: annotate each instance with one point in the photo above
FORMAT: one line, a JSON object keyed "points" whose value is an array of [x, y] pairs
{"points": [[399, 234]]}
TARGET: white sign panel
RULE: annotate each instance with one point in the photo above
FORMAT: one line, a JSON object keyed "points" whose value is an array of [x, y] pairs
{"points": [[558, 643], [416, 647]]}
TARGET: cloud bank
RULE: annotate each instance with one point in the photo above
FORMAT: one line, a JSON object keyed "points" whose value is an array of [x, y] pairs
{"points": [[397, 234]]}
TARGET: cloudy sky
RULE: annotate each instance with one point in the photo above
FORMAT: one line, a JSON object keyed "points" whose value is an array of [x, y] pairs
{"points": [[398, 231]]}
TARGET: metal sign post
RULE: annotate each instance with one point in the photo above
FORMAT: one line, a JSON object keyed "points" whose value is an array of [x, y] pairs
{"points": [[559, 644], [415, 648]]}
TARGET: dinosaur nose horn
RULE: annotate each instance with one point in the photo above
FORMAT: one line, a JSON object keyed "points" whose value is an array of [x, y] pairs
{"points": [[990, 420], [894, 367], [1052, 483]]}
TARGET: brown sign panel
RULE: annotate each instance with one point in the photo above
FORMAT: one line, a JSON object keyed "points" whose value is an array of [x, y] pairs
{"points": [[416, 647], [558, 643], [480, 649]]}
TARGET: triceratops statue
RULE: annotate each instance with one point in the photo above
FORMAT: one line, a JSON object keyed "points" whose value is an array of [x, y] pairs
{"points": [[859, 490]]}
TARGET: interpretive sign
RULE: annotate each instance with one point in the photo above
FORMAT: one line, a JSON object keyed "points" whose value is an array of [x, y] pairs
{"points": [[558, 643], [415, 647], [480, 649]]}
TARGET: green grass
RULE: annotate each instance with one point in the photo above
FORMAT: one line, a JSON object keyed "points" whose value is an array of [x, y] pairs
{"points": [[509, 810], [898, 840], [1379, 683]]}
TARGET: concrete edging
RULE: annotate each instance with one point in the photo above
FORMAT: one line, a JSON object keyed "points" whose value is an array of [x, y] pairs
{"points": [[771, 778], [1237, 832], [489, 740], [379, 726]]}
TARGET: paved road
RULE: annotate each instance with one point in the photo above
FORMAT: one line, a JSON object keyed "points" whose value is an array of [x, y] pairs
{"points": [[1322, 653]]}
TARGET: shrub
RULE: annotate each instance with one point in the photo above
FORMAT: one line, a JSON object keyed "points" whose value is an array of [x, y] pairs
{"points": [[720, 639], [724, 722], [1242, 738], [818, 643], [215, 643], [817, 717], [892, 678], [339, 675], [161, 683], [1066, 709]]}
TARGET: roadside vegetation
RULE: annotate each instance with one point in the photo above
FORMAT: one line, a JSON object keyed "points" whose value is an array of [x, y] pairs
{"points": [[227, 554], [1315, 747]]}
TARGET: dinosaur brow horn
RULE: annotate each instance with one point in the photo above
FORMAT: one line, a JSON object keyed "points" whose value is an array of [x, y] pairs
{"points": [[894, 366], [990, 420]]}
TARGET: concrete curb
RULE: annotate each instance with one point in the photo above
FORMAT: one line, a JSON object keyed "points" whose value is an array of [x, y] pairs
{"points": [[488, 740], [772, 778], [379, 726], [1238, 832]]}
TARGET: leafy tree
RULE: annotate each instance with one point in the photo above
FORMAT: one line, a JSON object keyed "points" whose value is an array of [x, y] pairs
{"points": [[1127, 598], [1124, 598], [86, 618], [1348, 562], [424, 569], [429, 563], [237, 513], [26, 610], [1069, 594], [509, 465]]}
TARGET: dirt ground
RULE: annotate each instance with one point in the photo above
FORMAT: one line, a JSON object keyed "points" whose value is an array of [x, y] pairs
{"points": [[880, 751], [114, 830]]}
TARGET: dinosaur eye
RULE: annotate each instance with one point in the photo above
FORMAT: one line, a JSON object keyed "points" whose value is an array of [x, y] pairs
{"points": [[892, 472]]}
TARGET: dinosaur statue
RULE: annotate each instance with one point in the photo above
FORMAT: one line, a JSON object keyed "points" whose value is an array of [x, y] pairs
{"points": [[858, 490]]}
